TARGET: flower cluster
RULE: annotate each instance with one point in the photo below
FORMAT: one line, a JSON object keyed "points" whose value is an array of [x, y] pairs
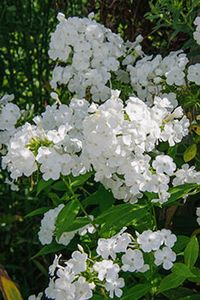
{"points": [[93, 56], [186, 174], [90, 53], [150, 75], [9, 115], [196, 34], [54, 142], [118, 141], [48, 226], [81, 274]]}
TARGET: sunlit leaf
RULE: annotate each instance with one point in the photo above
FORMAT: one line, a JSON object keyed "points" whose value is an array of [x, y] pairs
{"points": [[8, 287]]}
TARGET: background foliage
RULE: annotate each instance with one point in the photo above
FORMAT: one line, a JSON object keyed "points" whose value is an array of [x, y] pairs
{"points": [[25, 71]]}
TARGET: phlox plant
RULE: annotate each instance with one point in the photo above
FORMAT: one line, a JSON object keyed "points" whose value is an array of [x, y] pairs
{"points": [[107, 152]]}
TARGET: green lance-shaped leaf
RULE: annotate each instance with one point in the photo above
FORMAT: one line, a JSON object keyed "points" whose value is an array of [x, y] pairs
{"points": [[180, 273], [190, 153], [137, 291], [37, 212], [66, 217], [178, 192], [191, 252], [120, 215], [171, 281], [181, 269], [42, 184], [51, 248]]}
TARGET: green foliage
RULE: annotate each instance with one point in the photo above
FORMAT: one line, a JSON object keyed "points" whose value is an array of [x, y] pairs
{"points": [[175, 18], [137, 291], [51, 248], [179, 192], [190, 153], [66, 217], [119, 216], [191, 252]]}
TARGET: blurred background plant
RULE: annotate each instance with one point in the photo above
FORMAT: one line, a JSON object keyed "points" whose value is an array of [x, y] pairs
{"points": [[25, 71]]}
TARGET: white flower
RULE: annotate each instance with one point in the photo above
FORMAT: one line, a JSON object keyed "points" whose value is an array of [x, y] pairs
{"points": [[169, 238], [106, 269], [132, 260], [9, 115], [54, 265], [166, 257], [186, 174], [194, 73], [196, 33], [47, 227], [175, 76], [114, 287], [34, 297], [164, 164], [105, 248], [83, 289], [78, 262], [149, 240], [116, 244]]}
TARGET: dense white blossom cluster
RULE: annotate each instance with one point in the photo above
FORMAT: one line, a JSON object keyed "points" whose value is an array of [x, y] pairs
{"points": [[150, 75], [54, 142], [48, 226], [196, 33], [121, 253], [116, 140], [92, 54], [9, 115], [88, 53]]}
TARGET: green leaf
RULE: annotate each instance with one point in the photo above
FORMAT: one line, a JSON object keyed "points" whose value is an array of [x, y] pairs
{"points": [[120, 215], [178, 293], [59, 186], [51, 248], [171, 281], [179, 192], [80, 180], [191, 252], [66, 217], [183, 270], [101, 197], [8, 287], [42, 184], [37, 212], [196, 272], [190, 153], [181, 243], [54, 198], [78, 223], [136, 292]]}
